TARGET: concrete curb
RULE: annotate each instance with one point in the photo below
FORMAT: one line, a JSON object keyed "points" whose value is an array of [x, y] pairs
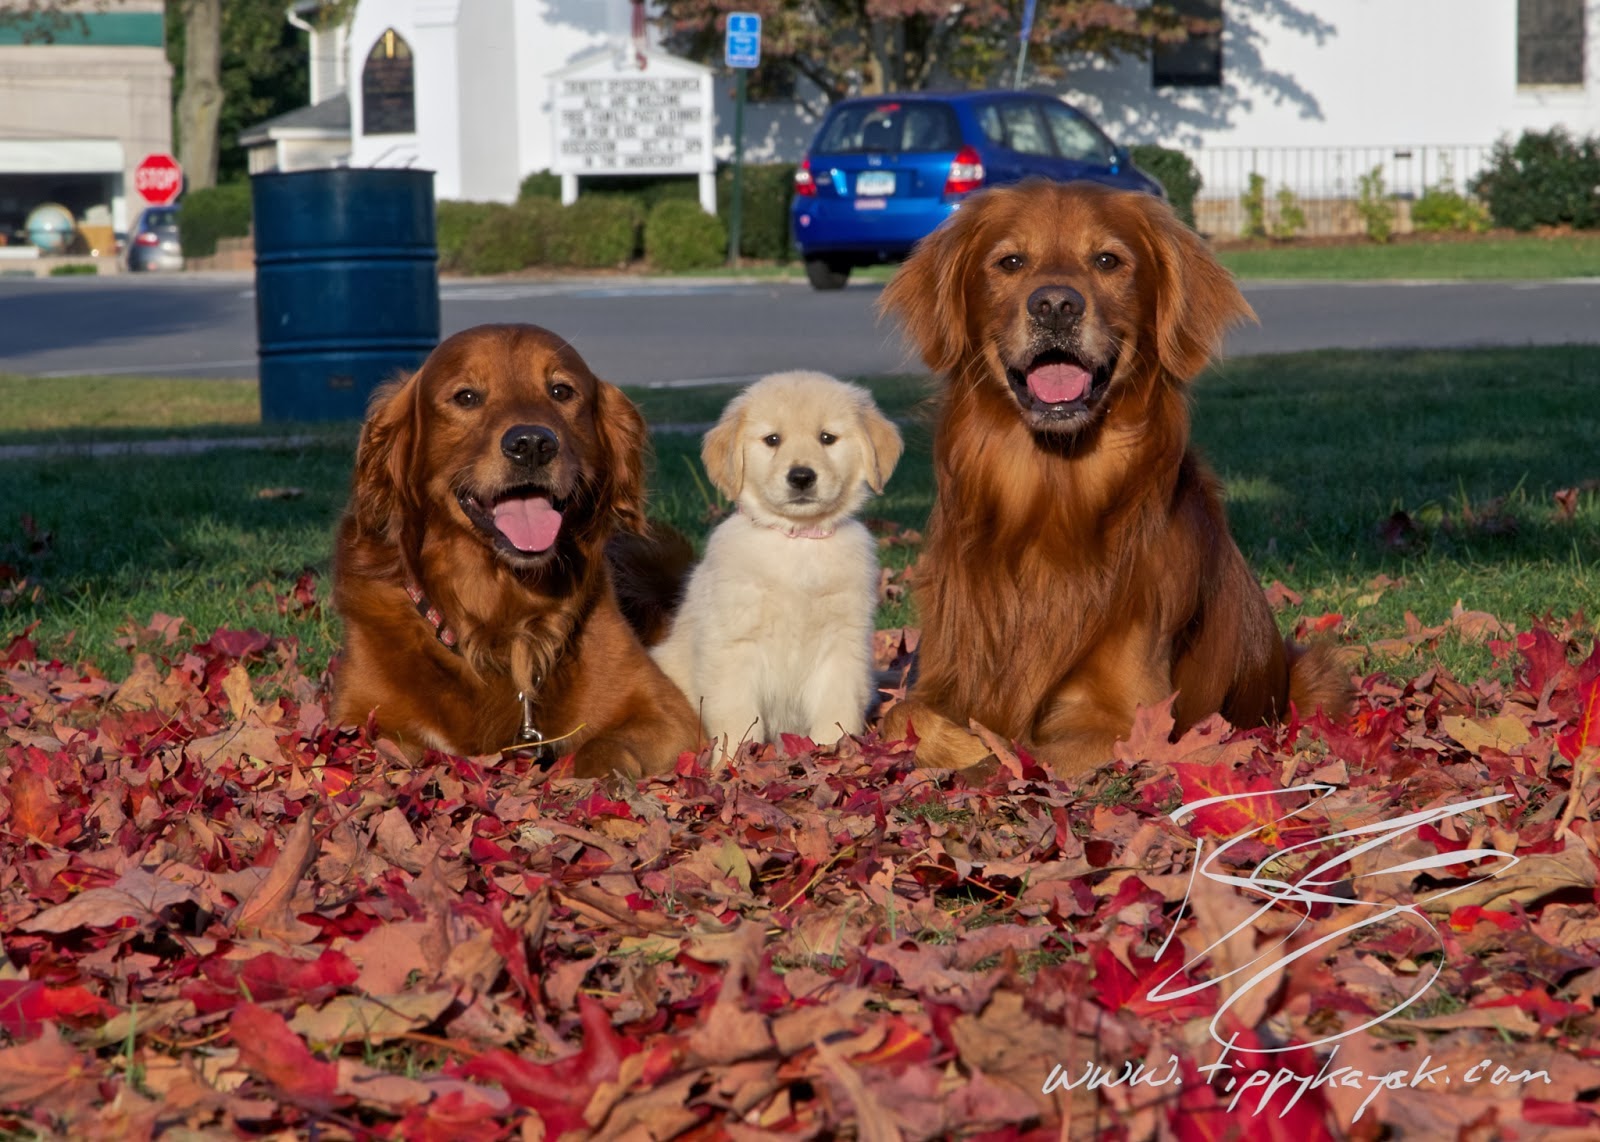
{"points": [[99, 449]]}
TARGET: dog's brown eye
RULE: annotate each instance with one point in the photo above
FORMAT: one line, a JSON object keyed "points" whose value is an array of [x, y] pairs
{"points": [[468, 398], [561, 392], [1106, 260], [827, 438], [772, 440], [1011, 263]]}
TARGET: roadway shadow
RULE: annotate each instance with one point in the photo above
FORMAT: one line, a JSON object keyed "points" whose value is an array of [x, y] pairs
{"points": [[44, 317]]}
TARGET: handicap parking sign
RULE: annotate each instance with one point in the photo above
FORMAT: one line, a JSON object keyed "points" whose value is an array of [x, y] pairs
{"points": [[743, 47]]}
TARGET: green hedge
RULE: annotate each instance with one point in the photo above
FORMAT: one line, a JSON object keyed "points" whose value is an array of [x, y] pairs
{"points": [[768, 188], [453, 222], [505, 239], [540, 184], [680, 236], [764, 226], [1442, 208], [1173, 170], [595, 232], [607, 225], [1546, 178], [212, 213], [492, 238]]}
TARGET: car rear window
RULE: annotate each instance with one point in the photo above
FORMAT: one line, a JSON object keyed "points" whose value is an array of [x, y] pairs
{"points": [[1075, 137], [154, 218], [890, 127]]}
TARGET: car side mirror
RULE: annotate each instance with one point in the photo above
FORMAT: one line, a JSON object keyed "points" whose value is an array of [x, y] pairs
{"points": [[1120, 158]]}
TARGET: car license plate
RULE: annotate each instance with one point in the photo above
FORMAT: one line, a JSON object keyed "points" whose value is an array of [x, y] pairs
{"points": [[874, 184]]}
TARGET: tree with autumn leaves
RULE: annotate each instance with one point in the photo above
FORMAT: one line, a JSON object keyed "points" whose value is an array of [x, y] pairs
{"points": [[847, 47]]}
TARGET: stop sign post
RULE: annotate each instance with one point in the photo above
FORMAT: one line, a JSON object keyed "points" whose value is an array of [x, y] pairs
{"points": [[158, 178]]}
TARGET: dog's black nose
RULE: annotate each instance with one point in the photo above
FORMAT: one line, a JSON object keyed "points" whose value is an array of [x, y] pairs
{"points": [[1055, 305], [801, 479], [532, 445]]}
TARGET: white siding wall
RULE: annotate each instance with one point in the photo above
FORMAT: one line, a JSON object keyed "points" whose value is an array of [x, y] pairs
{"points": [[490, 111], [1348, 73]]}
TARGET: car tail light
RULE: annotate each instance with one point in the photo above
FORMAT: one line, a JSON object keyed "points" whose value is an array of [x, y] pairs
{"points": [[148, 238], [966, 172], [804, 185]]}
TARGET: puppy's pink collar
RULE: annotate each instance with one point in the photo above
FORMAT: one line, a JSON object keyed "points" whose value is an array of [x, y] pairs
{"points": [[791, 532]]}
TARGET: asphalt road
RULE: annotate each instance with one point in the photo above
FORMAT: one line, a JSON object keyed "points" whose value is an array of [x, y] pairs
{"points": [[666, 332]]}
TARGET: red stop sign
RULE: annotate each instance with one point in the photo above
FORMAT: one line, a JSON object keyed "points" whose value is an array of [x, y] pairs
{"points": [[159, 178]]}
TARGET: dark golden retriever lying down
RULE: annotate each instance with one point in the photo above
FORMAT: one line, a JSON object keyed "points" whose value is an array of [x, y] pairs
{"points": [[1078, 562], [470, 565]]}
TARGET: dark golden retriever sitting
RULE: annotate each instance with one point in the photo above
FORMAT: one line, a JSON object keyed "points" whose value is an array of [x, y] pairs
{"points": [[1078, 562], [470, 565]]}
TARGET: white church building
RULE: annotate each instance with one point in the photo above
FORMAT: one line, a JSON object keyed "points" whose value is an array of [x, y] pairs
{"points": [[466, 88], [1308, 93]]}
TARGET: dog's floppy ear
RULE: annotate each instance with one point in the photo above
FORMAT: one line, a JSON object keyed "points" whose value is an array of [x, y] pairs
{"points": [[382, 487], [624, 440], [883, 443], [1197, 301], [722, 452], [929, 292]]}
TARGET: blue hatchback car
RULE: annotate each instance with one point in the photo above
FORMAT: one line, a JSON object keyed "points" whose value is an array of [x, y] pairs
{"points": [[885, 170]]}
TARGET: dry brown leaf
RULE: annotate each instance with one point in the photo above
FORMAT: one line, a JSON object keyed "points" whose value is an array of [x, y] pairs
{"points": [[137, 895], [1512, 1020], [369, 1019], [1531, 878], [46, 1068], [266, 912], [380, 1088], [236, 688], [1504, 732]]}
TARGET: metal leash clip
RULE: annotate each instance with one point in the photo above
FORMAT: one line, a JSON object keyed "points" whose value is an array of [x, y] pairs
{"points": [[530, 742]]}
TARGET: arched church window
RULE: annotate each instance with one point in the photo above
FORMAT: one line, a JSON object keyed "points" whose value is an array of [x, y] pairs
{"points": [[388, 88]]}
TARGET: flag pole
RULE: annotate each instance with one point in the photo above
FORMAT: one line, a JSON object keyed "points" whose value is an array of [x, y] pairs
{"points": [[1022, 48]]}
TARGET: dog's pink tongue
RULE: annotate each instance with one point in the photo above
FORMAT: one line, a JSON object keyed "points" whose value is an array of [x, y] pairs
{"points": [[1053, 384], [531, 524]]}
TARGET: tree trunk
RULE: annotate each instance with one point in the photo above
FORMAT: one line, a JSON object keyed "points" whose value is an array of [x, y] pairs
{"points": [[200, 105]]}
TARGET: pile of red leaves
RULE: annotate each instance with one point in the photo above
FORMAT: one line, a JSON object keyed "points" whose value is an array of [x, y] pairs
{"points": [[223, 916]]}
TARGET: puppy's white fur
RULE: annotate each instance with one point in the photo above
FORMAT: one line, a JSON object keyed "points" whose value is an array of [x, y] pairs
{"points": [[774, 634]]}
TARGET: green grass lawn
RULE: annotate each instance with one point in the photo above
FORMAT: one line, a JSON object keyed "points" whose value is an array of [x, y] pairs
{"points": [[1484, 259], [92, 406], [1317, 450], [1571, 256]]}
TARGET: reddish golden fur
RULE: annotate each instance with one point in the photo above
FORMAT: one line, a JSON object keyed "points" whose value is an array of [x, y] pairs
{"points": [[1073, 575], [547, 624]]}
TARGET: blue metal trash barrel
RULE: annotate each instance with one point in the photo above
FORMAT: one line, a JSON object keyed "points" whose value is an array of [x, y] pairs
{"points": [[347, 286]]}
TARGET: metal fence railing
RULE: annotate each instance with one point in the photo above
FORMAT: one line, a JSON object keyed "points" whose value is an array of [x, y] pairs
{"points": [[1325, 180]]}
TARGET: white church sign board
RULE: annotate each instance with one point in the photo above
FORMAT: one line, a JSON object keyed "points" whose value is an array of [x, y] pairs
{"points": [[616, 117]]}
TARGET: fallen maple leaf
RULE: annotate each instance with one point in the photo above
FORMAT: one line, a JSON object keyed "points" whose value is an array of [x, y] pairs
{"points": [[27, 1005], [138, 896], [271, 1051], [35, 810], [1585, 731], [561, 1090], [46, 1068], [370, 1019]]}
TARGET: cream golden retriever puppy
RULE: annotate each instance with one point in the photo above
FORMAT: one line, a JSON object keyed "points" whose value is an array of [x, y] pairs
{"points": [[774, 634]]}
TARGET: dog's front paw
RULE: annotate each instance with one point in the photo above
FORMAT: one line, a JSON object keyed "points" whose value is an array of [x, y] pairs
{"points": [[610, 762], [941, 744]]}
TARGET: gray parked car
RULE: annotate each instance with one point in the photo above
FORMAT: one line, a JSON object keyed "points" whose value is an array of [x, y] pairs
{"points": [[154, 242]]}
